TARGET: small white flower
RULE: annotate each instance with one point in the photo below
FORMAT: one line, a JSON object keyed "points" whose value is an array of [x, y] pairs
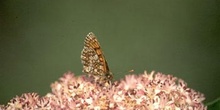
{"points": [[89, 100]]}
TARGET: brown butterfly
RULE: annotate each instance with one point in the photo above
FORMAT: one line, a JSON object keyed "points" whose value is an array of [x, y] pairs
{"points": [[93, 60]]}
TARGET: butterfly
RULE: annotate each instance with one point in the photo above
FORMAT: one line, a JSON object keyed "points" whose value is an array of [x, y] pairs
{"points": [[94, 62]]}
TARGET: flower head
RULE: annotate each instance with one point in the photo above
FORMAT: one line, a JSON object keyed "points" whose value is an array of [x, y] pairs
{"points": [[144, 91]]}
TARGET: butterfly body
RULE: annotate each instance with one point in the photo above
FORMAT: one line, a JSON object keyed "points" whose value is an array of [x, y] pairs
{"points": [[93, 60]]}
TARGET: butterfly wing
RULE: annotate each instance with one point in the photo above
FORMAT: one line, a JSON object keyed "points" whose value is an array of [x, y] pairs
{"points": [[93, 59]]}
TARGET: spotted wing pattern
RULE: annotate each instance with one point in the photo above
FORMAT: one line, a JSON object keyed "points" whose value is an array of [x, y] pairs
{"points": [[93, 60]]}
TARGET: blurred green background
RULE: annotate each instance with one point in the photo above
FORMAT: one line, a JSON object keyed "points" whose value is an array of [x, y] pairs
{"points": [[40, 40]]}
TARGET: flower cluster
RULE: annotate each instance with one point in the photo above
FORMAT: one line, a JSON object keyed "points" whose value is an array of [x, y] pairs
{"points": [[141, 92]]}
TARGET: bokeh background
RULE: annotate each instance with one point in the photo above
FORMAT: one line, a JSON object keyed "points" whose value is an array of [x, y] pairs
{"points": [[41, 39]]}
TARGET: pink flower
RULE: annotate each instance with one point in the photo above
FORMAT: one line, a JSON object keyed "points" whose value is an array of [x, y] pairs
{"points": [[144, 91]]}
